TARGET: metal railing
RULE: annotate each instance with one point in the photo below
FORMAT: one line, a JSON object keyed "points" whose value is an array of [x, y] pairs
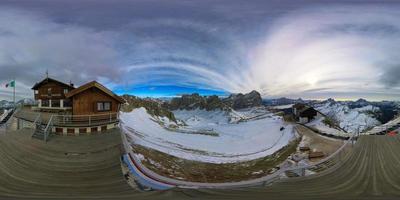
{"points": [[15, 110], [37, 122], [48, 129], [85, 120]]}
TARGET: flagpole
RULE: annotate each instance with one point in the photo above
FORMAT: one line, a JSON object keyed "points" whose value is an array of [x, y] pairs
{"points": [[14, 94]]}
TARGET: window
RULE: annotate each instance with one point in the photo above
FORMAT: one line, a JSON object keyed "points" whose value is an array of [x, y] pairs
{"points": [[65, 91], [49, 92], [103, 106], [36, 92]]}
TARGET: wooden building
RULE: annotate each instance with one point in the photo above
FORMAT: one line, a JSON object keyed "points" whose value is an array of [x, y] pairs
{"points": [[89, 99], [304, 113], [94, 98], [50, 94]]}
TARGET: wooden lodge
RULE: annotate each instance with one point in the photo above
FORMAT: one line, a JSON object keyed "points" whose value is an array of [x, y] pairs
{"points": [[88, 99], [73, 111]]}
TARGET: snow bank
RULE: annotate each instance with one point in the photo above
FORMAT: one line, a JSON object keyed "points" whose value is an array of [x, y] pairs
{"points": [[235, 142]]}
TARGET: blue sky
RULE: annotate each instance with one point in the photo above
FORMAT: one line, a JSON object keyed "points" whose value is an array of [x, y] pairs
{"points": [[304, 48], [167, 91]]}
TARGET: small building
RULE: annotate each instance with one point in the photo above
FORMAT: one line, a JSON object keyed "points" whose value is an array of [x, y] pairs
{"points": [[304, 113], [50, 95], [307, 115]]}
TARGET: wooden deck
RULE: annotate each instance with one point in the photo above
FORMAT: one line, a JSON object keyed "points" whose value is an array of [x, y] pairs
{"points": [[88, 167]]}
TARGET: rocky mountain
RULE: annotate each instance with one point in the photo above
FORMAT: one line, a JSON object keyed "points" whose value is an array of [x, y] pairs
{"points": [[360, 114], [195, 101], [239, 101], [153, 107], [349, 118], [283, 101]]}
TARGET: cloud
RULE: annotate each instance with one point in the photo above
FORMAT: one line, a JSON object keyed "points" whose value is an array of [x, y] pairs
{"points": [[31, 43], [339, 47], [281, 49], [391, 76]]}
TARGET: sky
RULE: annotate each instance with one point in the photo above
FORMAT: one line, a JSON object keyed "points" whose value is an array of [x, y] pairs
{"points": [[301, 48]]}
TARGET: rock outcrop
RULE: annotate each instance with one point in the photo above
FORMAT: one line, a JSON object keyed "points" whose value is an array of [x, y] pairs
{"points": [[239, 101], [235, 101], [195, 101], [153, 107]]}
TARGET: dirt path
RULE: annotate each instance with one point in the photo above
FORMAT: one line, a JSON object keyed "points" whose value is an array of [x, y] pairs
{"points": [[318, 142]]}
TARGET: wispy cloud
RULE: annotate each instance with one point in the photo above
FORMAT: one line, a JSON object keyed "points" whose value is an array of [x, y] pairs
{"points": [[295, 49]]}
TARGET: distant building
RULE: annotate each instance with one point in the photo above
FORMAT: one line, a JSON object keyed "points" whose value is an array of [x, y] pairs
{"points": [[304, 113]]}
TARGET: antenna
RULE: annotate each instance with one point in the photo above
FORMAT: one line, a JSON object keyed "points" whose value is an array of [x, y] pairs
{"points": [[47, 73]]}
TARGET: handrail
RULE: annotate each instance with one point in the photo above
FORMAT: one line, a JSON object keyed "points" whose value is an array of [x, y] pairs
{"points": [[93, 115], [37, 118], [46, 130], [15, 110], [37, 122], [88, 120]]}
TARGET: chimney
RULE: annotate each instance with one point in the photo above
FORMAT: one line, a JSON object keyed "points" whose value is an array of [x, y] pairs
{"points": [[71, 84]]}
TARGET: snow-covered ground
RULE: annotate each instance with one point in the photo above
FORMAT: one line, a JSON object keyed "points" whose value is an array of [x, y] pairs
{"points": [[287, 106], [350, 119], [323, 128], [232, 142]]}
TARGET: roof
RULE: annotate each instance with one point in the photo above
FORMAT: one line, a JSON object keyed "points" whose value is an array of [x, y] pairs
{"points": [[309, 111], [47, 80], [299, 105], [94, 84]]}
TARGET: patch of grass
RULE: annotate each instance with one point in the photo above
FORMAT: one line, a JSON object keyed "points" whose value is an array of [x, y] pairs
{"points": [[174, 167]]}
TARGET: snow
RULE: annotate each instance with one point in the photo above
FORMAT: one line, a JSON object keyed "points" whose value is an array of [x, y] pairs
{"points": [[233, 142], [283, 106], [351, 120], [323, 128]]}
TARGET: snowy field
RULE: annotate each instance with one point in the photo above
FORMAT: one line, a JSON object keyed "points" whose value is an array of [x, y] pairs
{"points": [[233, 142]]}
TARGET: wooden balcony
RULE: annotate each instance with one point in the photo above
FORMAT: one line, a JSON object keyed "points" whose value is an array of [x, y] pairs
{"points": [[68, 120]]}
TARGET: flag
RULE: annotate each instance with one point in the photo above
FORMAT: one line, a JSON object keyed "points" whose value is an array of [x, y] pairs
{"points": [[10, 84]]}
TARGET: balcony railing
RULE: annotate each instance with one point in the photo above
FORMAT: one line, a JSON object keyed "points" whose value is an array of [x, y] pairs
{"points": [[85, 120], [69, 120]]}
